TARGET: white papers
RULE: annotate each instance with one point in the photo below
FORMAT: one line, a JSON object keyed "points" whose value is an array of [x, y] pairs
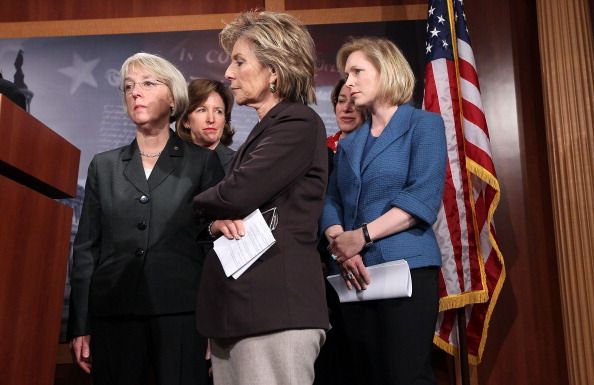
{"points": [[237, 256], [388, 280]]}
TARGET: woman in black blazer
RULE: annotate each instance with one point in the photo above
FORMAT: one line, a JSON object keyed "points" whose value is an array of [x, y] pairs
{"points": [[136, 261]]}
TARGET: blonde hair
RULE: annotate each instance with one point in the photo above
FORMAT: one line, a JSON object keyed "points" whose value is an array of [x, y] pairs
{"points": [[282, 43], [396, 78], [165, 72]]}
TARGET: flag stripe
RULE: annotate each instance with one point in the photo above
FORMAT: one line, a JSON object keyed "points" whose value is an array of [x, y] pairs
{"points": [[472, 265]]}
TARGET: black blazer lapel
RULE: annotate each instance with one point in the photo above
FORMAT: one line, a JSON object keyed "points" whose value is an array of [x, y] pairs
{"points": [[133, 171], [167, 162]]}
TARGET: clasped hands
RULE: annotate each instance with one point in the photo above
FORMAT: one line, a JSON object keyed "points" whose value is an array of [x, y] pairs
{"points": [[345, 247]]}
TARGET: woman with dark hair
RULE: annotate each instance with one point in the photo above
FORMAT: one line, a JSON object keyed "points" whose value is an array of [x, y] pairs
{"points": [[207, 121], [267, 326], [348, 117]]}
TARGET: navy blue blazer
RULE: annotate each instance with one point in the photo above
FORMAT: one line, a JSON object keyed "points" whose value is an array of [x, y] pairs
{"points": [[405, 168]]}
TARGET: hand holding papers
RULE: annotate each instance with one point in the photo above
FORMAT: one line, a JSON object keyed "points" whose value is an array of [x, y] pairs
{"points": [[237, 256], [388, 280]]}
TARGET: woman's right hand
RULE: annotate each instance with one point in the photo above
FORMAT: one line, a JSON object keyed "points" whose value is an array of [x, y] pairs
{"points": [[81, 352], [230, 228], [333, 231]]}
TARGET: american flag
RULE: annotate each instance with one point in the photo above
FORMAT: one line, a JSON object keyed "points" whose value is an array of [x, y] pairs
{"points": [[473, 270]]}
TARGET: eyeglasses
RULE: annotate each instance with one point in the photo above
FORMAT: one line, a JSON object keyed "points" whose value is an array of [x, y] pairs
{"points": [[146, 85]]}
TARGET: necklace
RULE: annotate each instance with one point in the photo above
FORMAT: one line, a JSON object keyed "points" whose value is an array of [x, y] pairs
{"points": [[149, 155]]}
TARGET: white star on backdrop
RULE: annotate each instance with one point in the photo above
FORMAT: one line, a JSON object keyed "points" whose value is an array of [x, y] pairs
{"points": [[81, 72]]}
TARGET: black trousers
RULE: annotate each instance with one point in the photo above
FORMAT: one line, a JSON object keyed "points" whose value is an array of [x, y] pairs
{"points": [[130, 350], [334, 354], [391, 340]]}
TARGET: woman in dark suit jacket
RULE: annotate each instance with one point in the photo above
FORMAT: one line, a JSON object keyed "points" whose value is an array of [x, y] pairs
{"points": [[207, 122], [383, 197], [267, 326], [136, 261]]}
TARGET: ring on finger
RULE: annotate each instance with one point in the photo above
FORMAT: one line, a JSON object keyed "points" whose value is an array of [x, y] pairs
{"points": [[349, 275]]}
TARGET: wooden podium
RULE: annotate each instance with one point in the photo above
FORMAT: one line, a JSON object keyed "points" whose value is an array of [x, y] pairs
{"points": [[36, 167]]}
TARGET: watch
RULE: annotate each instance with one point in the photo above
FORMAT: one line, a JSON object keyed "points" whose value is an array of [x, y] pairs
{"points": [[368, 240]]}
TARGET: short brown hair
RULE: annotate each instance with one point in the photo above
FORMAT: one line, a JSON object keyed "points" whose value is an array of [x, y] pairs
{"points": [[396, 78], [198, 92], [280, 42]]}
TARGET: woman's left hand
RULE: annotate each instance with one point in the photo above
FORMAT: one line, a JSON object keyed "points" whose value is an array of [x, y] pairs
{"points": [[347, 245], [355, 273]]}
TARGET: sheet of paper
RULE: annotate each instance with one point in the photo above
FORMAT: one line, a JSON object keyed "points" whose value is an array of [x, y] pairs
{"points": [[239, 272], [388, 280], [237, 256]]}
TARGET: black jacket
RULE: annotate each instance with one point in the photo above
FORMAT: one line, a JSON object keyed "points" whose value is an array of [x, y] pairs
{"points": [[283, 165], [135, 251]]}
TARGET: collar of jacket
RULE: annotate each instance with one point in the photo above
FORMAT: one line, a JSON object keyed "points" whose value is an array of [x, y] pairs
{"points": [[173, 147], [354, 143], [167, 162]]}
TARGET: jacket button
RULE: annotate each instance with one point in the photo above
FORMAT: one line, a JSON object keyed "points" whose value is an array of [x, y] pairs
{"points": [[144, 199], [139, 252], [141, 225]]}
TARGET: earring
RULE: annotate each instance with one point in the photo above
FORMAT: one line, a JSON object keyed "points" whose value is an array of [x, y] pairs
{"points": [[272, 87]]}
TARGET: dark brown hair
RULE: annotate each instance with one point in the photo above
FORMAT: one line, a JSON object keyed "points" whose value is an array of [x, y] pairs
{"points": [[336, 92], [198, 92]]}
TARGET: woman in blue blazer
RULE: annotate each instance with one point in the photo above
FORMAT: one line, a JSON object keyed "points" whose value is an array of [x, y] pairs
{"points": [[382, 199]]}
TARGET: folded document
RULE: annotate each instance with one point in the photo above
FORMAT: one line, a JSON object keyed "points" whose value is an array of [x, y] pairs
{"points": [[388, 280], [237, 255]]}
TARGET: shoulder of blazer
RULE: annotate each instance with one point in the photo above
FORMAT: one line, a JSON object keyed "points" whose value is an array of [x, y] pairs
{"points": [[291, 110], [418, 116], [122, 153], [221, 149]]}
